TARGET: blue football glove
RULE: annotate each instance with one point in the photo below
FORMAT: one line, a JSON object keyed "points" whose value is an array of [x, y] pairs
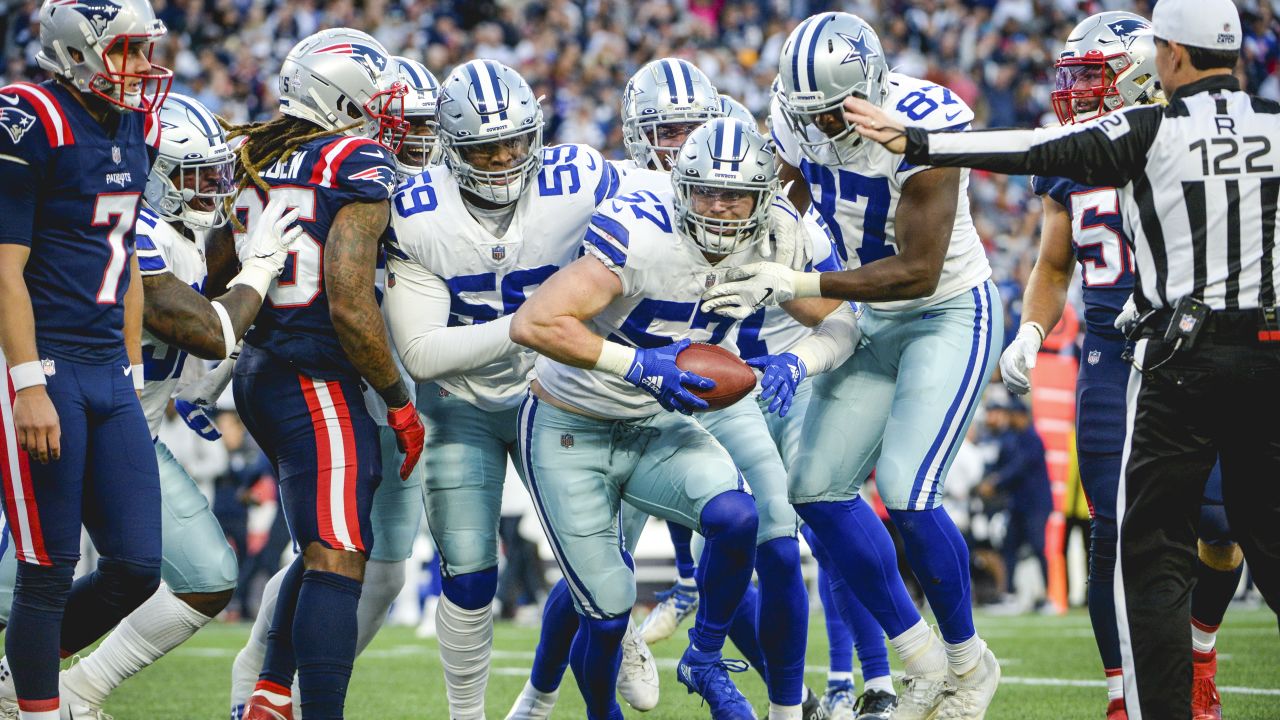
{"points": [[197, 418], [781, 375], [654, 371]]}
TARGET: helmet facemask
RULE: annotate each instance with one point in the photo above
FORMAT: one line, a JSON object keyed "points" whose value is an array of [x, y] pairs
{"points": [[384, 117], [196, 191], [497, 169], [421, 146], [1085, 87], [837, 140], [722, 217], [657, 141], [113, 81]]}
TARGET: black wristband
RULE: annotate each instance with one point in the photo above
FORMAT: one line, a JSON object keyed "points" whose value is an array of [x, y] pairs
{"points": [[395, 396]]}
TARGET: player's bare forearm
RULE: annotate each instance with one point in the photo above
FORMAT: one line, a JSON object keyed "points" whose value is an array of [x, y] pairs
{"points": [[553, 320], [350, 261], [810, 312], [1046, 292], [178, 315], [798, 193], [220, 259], [923, 224], [17, 322], [133, 302]]}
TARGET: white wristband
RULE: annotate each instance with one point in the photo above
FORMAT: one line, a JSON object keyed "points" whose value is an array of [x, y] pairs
{"points": [[1035, 326], [228, 330], [139, 376], [256, 276], [807, 284], [26, 375], [615, 358]]}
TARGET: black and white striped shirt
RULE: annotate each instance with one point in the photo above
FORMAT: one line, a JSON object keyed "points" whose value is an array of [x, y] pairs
{"points": [[1198, 182]]}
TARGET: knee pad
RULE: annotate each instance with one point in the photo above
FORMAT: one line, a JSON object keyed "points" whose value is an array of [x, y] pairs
{"points": [[730, 516], [471, 591], [778, 556], [127, 582], [1214, 528], [43, 588], [1223, 557]]}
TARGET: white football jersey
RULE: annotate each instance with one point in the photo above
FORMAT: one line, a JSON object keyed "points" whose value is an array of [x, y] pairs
{"points": [[859, 200], [663, 277], [487, 276], [162, 249], [632, 178]]}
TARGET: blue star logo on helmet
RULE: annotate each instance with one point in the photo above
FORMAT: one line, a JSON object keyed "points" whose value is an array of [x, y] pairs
{"points": [[99, 13], [374, 61], [16, 122], [860, 49]]}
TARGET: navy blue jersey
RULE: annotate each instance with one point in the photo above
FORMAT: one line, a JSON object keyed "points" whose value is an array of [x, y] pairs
{"points": [[1100, 246], [70, 190], [319, 178]]}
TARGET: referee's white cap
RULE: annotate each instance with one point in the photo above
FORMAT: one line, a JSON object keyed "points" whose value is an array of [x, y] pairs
{"points": [[1209, 24]]}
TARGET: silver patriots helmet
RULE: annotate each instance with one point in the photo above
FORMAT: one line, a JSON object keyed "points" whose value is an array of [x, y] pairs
{"points": [[826, 59], [422, 92], [666, 92], [343, 79], [723, 164], [194, 172], [1109, 62], [76, 36], [490, 130]]}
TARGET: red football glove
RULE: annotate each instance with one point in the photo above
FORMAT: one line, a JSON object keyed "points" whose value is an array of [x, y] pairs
{"points": [[410, 436]]}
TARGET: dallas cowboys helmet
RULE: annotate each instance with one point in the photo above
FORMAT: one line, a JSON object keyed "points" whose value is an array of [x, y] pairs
{"points": [[487, 110], [664, 92], [826, 59], [75, 36], [734, 109], [723, 160], [343, 79], [422, 91], [194, 172], [1109, 62]]}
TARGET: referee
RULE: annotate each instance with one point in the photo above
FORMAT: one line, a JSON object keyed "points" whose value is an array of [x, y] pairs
{"points": [[1198, 182]]}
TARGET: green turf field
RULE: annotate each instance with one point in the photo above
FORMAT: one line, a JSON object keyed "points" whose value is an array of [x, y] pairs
{"points": [[1050, 666]]}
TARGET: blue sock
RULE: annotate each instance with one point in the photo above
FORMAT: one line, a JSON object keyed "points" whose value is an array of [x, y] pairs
{"points": [[839, 641], [1101, 592], [324, 637], [728, 522], [680, 538], [279, 664], [559, 626], [31, 643], [101, 599], [940, 559], [849, 623], [1213, 592], [595, 656], [867, 559], [784, 618], [743, 632]]}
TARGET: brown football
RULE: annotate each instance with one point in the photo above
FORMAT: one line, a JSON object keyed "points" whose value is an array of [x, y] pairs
{"points": [[734, 378]]}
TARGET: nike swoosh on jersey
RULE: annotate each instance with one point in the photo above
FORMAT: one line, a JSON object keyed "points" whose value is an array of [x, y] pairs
{"points": [[929, 315], [954, 115]]}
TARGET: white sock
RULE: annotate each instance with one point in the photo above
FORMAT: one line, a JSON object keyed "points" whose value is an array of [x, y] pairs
{"points": [[920, 650], [884, 683], [466, 641], [1115, 684], [838, 678], [248, 662], [157, 626], [784, 712], [41, 715], [965, 656], [382, 583], [1203, 637]]}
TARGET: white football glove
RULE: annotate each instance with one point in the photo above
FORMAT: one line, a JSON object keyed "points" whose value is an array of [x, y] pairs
{"points": [[205, 391], [1128, 316], [787, 234], [743, 289], [268, 246], [1020, 357]]}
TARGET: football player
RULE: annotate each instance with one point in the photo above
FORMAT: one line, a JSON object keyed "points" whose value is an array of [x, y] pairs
{"points": [[1109, 63], [319, 338], [934, 320], [648, 257], [471, 239], [75, 152], [397, 506]]}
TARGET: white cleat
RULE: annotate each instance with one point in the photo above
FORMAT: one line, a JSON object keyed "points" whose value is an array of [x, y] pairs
{"points": [[921, 696], [972, 692], [8, 694], [72, 706], [674, 606], [533, 704], [638, 675]]}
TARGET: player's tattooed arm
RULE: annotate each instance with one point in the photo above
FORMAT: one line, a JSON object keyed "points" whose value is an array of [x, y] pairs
{"points": [[552, 321], [220, 259], [350, 262], [178, 315], [923, 224]]}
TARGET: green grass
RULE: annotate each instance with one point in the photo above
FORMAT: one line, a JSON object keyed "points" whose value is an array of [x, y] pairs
{"points": [[399, 676]]}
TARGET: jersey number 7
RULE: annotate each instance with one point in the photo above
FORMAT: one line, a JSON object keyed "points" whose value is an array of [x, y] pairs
{"points": [[119, 211]]}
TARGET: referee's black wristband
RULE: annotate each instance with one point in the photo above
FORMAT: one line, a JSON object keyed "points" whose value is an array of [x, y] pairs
{"points": [[917, 152]]}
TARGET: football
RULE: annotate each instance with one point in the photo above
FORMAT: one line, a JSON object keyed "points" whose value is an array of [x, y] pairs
{"points": [[734, 378]]}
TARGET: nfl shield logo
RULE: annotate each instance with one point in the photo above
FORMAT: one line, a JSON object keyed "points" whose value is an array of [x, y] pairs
{"points": [[1187, 323], [710, 281], [566, 440], [498, 251], [115, 154], [1095, 356]]}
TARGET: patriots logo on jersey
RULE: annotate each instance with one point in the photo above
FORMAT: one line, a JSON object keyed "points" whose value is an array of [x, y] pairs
{"points": [[860, 50], [16, 122], [373, 61], [99, 14], [380, 174]]}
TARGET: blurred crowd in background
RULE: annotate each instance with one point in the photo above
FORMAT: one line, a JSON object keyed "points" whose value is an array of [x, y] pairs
{"points": [[997, 55]]}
